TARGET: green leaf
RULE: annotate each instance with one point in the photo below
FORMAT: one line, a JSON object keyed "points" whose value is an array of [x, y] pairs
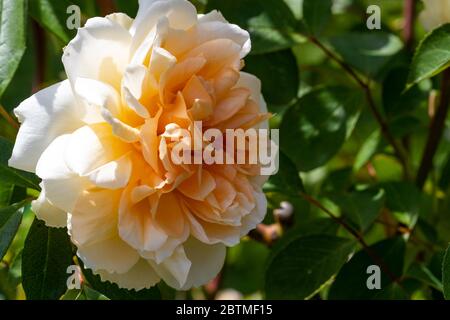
{"points": [[351, 281], [91, 294], [46, 255], [304, 265], [338, 181], [270, 22], [52, 16], [369, 148], [395, 101], [85, 293], [404, 200], [432, 56], [6, 192], [10, 218], [314, 129], [444, 180], [422, 273], [316, 14], [12, 38], [73, 294], [446, 274], [21, 84], [11, 175], [278, 72], [113, 292], [287, 179], [362, 206], [309, 227], [296, 7], [369, 52], [244, 267]]}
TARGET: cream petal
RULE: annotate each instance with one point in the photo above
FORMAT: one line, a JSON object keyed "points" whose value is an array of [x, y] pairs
{"points": [[114, 174], [209, 27], [170, 215], [91, 147], [218, 53], [181, 14], [120, 18], [94, 216], [213, 233], [251, 82], [102, 103], [140, 276], [213, 15], [209, 30], [160, 61], [100, 51], [207, 261], [134, 83], [111, 255], [229, 106], [93, 227], [142, 234], [45, 210], [62, 186], [134, 104], [44, 116], [435, 14], [138, 228], [174, 270], [198, 187], [96, 96], [169, 246], [255, 217]]}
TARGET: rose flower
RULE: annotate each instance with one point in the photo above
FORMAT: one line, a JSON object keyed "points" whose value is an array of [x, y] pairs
{"points": [[101, 143], [436, 13]]}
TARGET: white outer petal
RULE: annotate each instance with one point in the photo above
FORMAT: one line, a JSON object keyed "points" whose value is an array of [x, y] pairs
{"points": [[102, 104], [206, 262], [62, 186], [100, 51], [436, 13], [111, 255], [45, 210], [44, 116], [140, 276], [257, 215], [114, 174], [174, 270], [181, 14], [251, 82]]}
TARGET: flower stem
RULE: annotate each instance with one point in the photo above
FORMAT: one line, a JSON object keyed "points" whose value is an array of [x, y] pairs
{"points": [[408, 29], [8, 118], [377, 259], [436, 130], [399, 152]]}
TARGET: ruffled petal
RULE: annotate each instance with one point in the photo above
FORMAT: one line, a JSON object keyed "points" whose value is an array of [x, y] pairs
{"points": [[44, 116], [45, 210], [100, 51], [140, 276], [62, 186]]}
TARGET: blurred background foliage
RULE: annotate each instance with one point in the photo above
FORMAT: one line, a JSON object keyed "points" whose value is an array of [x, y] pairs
{"points": [[364, 164]]}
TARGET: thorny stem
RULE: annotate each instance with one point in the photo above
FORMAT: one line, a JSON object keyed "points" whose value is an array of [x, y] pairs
{"points": [[372, 106], [436, 130], [378, 260]]}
